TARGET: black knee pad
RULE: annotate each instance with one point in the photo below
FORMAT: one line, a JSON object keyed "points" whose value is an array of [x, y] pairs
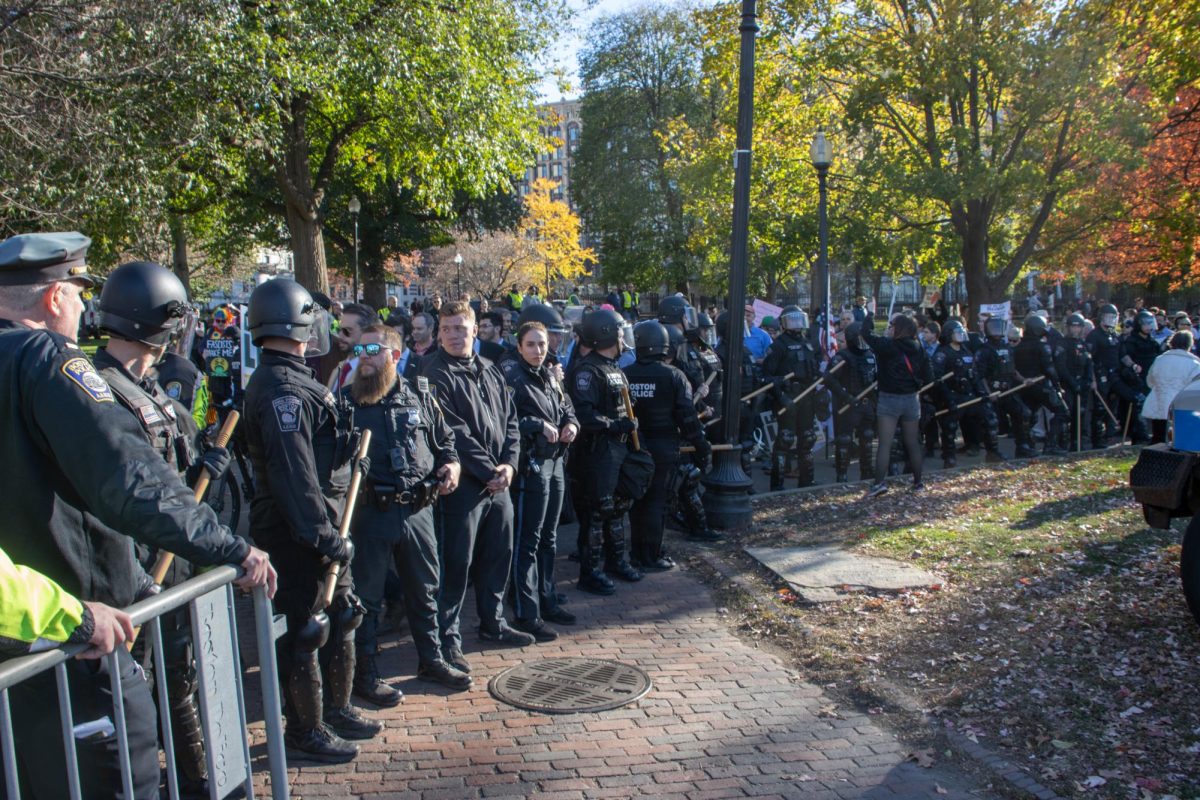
{"points": [[346, 613], [312, 635]]}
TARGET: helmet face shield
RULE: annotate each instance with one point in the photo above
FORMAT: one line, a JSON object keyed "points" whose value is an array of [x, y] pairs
{"points": [[626, 339], [690, 320], [318, 333], [709, 335], [793, 321], [959, 335], [1108, 321]]}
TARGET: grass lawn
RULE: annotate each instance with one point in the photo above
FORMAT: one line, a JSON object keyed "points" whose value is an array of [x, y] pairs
{"points": [[1056, 634]]}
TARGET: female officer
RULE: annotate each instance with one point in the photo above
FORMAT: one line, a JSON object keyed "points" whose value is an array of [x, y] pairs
{"points": [[547, 424]]}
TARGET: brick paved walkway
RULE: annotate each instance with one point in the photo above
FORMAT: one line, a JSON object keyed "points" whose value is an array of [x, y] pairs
{"points": [[723, 720]]}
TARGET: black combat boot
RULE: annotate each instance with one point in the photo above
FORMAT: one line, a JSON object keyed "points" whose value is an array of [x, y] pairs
{"points": [[615, 561], [307, 736], [370, 687], [591, 576]]}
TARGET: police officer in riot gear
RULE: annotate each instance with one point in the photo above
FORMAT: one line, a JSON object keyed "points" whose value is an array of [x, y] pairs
{"points": [[1033, 357], [141, 306], [1139, 351], [302, 442], [701, 340], [792, 363], [857, 421], [1107, 349], [85, 476], [964, 384], [596, 392], [997, 367], [675, 313], [412, 462], [662, 402], [1075, 372]]}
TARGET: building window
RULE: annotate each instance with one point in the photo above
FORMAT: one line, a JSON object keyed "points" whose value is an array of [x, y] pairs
{"points": [[556, 171]]}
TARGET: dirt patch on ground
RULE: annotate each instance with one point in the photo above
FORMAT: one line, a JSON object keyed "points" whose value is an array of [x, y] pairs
{"points": [[1056, 633]]}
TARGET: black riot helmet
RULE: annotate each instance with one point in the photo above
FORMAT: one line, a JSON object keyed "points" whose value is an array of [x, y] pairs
{"points": [[1108, 316], [1146, 323], [677, 342], [674, 310], [600, 329], [996, 329], [704, 331], [854, 337], [1035, 327], [540, 312], [651, 340], [953, 331], [143, 302], [281, 307], [793, 320], [1076, 325]]}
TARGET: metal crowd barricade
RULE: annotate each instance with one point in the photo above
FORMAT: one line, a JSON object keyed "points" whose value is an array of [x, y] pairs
{"points": [[210, 600]]}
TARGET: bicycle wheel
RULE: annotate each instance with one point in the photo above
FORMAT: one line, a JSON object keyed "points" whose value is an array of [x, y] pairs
{"points": [[225, 500]]}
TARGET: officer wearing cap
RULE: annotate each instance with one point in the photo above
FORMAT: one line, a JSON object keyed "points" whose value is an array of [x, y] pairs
{"points": [[84, 472], [302, 442]]}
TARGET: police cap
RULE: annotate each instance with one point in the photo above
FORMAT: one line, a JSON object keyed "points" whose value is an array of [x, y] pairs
{"points": [[31, 258]]}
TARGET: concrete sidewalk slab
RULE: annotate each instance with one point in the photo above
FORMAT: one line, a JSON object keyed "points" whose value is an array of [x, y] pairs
{"points": [[724, 719], [818, 573]]}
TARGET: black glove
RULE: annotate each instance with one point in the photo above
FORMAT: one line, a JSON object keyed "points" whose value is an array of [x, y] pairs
{"points": [[216, 462], [335, 548], [625, 425], [364, 465], [953, 406], [703, 455]]}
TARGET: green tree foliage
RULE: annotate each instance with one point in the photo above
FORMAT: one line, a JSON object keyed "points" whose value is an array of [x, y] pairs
{"points": [[641, 73], [994, 115]]}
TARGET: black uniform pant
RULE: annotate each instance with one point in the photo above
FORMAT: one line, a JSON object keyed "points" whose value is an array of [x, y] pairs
{"points": [[41, 759], [538, 498], [475, 540], [798, 431], [857, 423], [403, 537], [648, 515], [1079, 407]]}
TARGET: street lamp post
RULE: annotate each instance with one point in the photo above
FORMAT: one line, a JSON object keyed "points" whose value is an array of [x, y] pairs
{"points": [[727, 486], [458, 259], [355, 206], [821, 154]]}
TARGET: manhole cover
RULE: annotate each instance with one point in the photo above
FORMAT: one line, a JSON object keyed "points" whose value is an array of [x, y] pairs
{"points": [[567, 685]]}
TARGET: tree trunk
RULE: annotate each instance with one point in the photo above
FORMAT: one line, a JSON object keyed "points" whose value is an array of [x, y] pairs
{"points": [[308, 250], [374, 287], [179, 258], [975, 271]]}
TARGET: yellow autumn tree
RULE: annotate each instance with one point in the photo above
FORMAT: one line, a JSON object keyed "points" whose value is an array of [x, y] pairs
{"points": [[551, 230]]}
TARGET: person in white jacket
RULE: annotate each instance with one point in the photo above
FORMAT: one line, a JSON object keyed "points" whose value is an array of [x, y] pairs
{"points": [[1168, 376]]}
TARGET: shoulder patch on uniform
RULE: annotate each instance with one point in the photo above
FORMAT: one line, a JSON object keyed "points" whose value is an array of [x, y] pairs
{"points": [[287, 412], [583, 380], [174, 389], [84, 374]]}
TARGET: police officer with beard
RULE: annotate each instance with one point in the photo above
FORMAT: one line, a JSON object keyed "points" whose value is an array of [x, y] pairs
{"points": [[141, 306], [662, 403], [998, 369], [963, 385], [412, 462], [857, 421], [302, 444], [1034, 357], [1075, 372], [595, 388], [792, 365]]}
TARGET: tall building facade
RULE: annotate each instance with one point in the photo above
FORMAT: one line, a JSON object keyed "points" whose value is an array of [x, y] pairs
{"points": [[560, 121]]}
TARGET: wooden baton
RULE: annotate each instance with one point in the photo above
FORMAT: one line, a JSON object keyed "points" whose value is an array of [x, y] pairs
{"points": [[331, 577], [633, 435]]}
